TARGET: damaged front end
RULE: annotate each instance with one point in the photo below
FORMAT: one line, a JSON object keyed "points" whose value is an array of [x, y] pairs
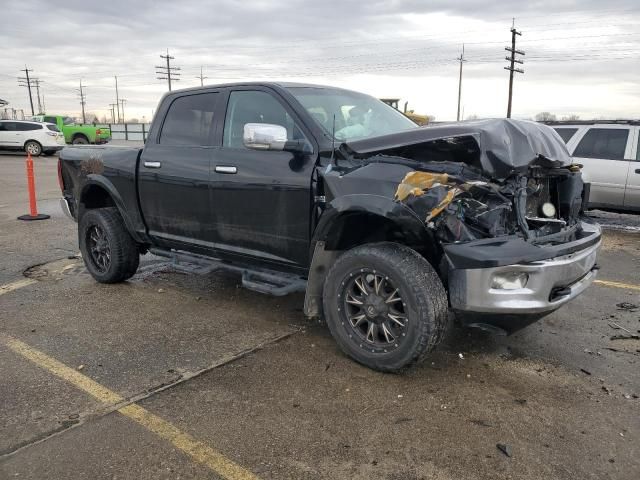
{"points": [[505, 203], [541, 206]]}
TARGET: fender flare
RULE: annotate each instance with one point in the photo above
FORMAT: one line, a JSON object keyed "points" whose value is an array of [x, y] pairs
{"points": [[377, 205], [95, 180], [322, 257]]}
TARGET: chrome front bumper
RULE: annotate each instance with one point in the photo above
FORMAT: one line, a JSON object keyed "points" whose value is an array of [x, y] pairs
{"points": [[551, 284]]}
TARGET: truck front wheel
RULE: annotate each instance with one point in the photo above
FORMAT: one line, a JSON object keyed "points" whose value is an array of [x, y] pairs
{"points": [[385, 305], [108, 251]]}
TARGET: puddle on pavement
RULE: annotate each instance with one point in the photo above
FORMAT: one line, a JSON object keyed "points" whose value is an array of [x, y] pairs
{"points": [[73, 266], [56, 270]]}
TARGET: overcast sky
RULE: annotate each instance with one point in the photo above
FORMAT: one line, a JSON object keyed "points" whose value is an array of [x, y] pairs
{"points": [[582, 57]]}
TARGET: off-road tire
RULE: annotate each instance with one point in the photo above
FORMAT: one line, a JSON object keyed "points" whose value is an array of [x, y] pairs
{"points": [[33, 147], [124, 253], [423, 295], [80, 140]]}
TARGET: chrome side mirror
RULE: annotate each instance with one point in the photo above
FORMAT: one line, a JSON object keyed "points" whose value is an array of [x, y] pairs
{"points": [[264, 136]]}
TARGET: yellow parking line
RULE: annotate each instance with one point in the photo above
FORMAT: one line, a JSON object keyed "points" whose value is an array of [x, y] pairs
{"points": [[10, 287], [626, 286], [183, 441]]}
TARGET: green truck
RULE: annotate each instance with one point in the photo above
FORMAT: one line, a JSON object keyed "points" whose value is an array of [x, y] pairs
{"points": [[77, 134]]}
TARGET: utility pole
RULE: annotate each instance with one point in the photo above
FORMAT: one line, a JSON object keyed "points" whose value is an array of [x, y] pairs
{"points": [[512, 61], [26, 82], [202, 78], [37, 82], [113, 112], [122, 102], [117, 99], [461, 60], [83, 97], [167, 73]]}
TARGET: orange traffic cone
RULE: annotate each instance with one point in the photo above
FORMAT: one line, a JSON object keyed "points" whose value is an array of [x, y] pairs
{"points": [[31, 184]]}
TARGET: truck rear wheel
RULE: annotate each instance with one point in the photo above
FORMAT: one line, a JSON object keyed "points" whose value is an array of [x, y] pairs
{"points": [[80, 140], [385, 305], [108, 251]]}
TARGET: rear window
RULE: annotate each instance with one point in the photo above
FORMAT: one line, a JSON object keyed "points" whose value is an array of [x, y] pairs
{"points": [[189, 121], [50, 119], [53, 128], [566, 133], [605, 143]]}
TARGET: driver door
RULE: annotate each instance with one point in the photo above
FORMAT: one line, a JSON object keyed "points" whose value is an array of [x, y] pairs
{"points": [[261, 199]]}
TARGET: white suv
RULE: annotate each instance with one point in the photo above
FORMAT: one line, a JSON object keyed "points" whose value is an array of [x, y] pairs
{"points": [[611, 158], [32, 137]]}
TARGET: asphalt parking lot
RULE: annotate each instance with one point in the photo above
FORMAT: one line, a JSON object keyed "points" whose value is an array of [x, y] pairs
{"points": [[178, 376]]}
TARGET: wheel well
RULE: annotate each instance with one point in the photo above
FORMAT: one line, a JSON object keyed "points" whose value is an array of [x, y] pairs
{"points": [[352, 229], [96, 197], [76, 135], [358, 228], [31, 140]]}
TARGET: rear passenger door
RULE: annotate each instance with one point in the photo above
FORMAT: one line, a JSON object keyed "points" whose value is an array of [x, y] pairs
{"points": [[173, 172], [605, 150], [632, 192]]}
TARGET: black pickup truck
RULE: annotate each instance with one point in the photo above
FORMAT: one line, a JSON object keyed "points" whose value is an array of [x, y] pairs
{"points": [[386, 226]]}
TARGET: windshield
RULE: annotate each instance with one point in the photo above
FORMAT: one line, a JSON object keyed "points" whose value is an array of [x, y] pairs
{"points": [[357, 115], [68, 121]]}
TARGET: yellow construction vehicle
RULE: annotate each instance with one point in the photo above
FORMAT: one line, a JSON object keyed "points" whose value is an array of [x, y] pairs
{"points": [[419, 119]]}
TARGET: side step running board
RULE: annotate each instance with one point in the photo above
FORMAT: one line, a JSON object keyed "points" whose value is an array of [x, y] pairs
{"points": [[266, 281]]}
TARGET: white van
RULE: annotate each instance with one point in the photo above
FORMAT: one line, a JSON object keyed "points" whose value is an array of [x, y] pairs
{"points": [[32, 137], [611, 158]]}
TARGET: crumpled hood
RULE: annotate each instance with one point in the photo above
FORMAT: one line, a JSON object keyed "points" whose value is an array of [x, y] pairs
{"points": [[499, 147]]}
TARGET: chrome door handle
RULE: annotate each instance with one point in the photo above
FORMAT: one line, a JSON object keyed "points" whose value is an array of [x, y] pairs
{"points": [[152, 164], [226, 169]]}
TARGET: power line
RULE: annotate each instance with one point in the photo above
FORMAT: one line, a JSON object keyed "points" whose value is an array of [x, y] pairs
{"points": [[512, 61], [168, 73]]}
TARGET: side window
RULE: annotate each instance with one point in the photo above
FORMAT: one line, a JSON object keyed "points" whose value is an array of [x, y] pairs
{"points": [[49, 119], [3, 128], [248, 106], [189, 121], [607, 143], [9, 126], [27, 127], [566, 133]]}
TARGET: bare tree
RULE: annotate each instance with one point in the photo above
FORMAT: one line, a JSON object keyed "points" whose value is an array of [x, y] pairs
{"points": [[571, 117], [545, 117]]}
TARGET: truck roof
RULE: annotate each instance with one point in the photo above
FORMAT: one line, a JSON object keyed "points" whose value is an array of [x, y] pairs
{"points": [[273, 84]]}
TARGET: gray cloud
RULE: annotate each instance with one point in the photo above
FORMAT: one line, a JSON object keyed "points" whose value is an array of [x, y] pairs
{"points": [[330, 40]]}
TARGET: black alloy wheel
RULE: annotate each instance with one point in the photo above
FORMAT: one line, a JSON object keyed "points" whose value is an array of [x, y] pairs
{"points": [[99, 249], [373, 308]]}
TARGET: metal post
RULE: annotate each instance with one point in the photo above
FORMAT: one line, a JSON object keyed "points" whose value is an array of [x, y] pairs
{"points": [[461, 59], [117, 99]]}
